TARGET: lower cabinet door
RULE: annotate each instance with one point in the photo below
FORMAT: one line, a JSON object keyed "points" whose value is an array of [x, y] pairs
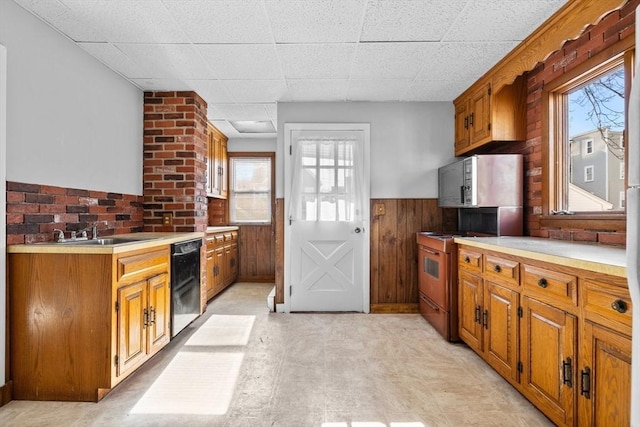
{"points": [[500, 321], [547, 352], [605, 377], [470, 310], [132, 334], [159, 310]]}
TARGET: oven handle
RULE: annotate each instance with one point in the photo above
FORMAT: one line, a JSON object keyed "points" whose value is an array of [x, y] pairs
{"points": [[431, 251], [429, 303]]}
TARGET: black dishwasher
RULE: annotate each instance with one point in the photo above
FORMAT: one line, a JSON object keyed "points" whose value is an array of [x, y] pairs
{"points": [[185, 284]]}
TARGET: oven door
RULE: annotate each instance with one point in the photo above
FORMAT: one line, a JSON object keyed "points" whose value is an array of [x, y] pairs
{"points": [[432, 278]]}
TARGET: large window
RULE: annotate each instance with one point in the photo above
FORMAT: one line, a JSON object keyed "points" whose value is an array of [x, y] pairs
{"points": [[250, 189], [586, 137]]}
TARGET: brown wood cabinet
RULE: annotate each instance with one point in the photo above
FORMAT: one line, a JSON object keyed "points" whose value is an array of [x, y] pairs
{"points": [[560, 335], [216, 163], [80, 323], [222, 261], [482, 116]]}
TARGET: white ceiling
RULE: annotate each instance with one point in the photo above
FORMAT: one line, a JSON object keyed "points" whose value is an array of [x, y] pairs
{"points": [[243, 56]]}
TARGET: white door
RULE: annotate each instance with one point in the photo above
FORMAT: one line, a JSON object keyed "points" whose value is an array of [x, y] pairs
{"points": [[327, 217]]}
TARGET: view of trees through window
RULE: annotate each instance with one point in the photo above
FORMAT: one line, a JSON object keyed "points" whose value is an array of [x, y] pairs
{"points": [[595, 125], [250, 190]]}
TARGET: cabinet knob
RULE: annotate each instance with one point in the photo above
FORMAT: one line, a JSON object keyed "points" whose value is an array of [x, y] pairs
{"points": [[497, 268], [467, 259], [619, 306], [543, 283]]}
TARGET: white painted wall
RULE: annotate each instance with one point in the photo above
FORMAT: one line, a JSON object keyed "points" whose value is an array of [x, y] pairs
{"points": [[409, 141], [71, 121], [252, 144]]}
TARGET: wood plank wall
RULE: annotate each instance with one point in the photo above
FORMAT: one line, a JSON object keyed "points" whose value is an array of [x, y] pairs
{"points": [[256, 253], [394, 265]]}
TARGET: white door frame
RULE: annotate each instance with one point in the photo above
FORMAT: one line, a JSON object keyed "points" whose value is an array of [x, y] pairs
{"points": [[288, 129]]}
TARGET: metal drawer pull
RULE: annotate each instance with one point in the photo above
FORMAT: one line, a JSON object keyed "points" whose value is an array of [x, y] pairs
{"points": [[619, 306], [543, 283], [567, 372], [485, 319], [585, 382], [497, 268], [467, 260], [477, 314], [145, 318]]}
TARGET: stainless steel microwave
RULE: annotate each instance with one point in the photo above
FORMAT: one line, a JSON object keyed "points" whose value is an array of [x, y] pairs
{"points": [[485, 180]]}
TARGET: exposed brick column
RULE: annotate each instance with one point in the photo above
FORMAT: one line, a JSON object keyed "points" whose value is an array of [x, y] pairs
{"points": [[175, 162]]}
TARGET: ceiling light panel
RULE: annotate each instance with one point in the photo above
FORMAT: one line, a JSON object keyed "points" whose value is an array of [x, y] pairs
{"points": [[391, 60], [326, 21], [174, 61], [206, 21], [242, 61], [316, 61], [510, 19], [251, 126], [409, 20]]}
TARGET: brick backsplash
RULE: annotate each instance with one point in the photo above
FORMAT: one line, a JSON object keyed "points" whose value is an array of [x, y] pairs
{"points": [[33, 211]]}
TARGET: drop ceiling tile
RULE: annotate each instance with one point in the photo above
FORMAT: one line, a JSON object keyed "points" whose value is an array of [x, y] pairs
{"points": [[141, 21], [318, 90], [315, 21], [435, 90], [390, 60], [173, 61], [409, 20], [237, 112], [464, 60], [212, 91], [509, 19], [378, 90], [242, 61], [206, 21], [316, 61], [255, 91], [115, 59], [64, 19], [225, 127], [161, 84]]}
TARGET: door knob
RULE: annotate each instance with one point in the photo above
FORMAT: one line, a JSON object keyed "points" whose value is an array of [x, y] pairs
{"points": [[358, 229]]}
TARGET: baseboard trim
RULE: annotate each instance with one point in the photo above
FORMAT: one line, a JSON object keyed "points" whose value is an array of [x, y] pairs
{"points": [[6, 393], [257, 279], [394, 308]]}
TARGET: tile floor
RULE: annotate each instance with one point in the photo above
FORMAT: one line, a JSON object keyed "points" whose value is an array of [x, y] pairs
{"points": [[239, 365]]}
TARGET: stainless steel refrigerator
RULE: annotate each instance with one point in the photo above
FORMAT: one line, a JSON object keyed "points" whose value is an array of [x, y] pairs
{"points": [[633, 228]]}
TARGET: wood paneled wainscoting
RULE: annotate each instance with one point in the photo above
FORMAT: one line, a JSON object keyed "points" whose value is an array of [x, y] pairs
{"points": [[394, 258], [257, 250]]}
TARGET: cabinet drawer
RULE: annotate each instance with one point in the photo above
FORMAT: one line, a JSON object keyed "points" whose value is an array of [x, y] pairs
{"points": [[231, 236], [601, 300], [141, 265], [470, 260], [553, 284], [503, 269], [211, 243], [219, 238]]}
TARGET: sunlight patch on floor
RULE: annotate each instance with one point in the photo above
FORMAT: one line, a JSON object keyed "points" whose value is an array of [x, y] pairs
{"points": [[223, 330], [193, 383], [373, 424]]}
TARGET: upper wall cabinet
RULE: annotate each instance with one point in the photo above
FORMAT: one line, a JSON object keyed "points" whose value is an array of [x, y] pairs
{"points": [[482, 116], [216, 163]]}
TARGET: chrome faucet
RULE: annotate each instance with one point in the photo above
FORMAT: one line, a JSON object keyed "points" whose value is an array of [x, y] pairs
{"points": [[94, 232], [58, 235]]}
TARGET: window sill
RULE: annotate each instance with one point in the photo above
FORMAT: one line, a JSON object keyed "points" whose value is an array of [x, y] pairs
{"points": [[599, 222]]}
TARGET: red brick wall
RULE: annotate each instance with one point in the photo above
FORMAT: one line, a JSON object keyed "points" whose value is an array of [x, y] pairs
{"points": [[175, 162], [33, 211], [612, 28]]}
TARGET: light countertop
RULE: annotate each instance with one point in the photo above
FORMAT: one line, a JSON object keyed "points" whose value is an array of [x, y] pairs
{"points": [[593, 257], [153, 239], [221, 229]]}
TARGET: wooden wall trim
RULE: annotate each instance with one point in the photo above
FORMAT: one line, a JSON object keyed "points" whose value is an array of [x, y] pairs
{"points": [[6, 393], [394, 308], [566, 24]]}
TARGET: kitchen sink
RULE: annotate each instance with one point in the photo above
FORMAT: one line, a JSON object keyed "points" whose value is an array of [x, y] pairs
{"points": [[107, 241]]}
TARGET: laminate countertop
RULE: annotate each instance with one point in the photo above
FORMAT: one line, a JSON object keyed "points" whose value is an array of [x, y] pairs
{"points": [[147, 240], [221, 229], [586, 256]]}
